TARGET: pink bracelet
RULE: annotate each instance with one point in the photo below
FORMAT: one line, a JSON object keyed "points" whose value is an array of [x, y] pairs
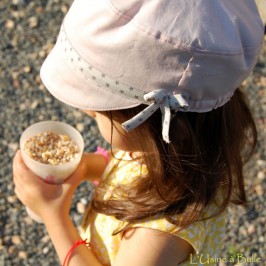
{"points": [[103, 152]]}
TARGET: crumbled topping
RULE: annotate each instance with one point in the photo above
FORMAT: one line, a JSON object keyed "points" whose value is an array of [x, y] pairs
{"points": [[51, 148]]}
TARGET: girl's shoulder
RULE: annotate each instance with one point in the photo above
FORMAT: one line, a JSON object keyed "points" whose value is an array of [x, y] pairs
{"points": [[204, 235]]}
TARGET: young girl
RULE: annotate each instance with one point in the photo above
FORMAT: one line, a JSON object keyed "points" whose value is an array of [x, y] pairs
{"points": [[160, 79]]}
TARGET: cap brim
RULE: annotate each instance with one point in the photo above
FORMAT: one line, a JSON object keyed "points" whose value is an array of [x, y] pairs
{"points": [[69, 86]]}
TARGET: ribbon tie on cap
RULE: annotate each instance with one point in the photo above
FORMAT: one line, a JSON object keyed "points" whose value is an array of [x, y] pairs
{"points": [[158, 99]]}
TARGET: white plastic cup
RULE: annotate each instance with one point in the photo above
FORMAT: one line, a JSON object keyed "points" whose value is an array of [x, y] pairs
{"points": [[55, 174]]}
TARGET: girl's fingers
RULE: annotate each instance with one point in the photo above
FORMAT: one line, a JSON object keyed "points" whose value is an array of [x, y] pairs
{"points": [[17, 192], [21, 173], [18, 164]]}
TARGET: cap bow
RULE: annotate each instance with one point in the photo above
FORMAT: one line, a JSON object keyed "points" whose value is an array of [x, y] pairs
{"points": [[158, 99]]}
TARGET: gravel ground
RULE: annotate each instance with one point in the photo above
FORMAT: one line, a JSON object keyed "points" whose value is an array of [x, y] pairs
{"points": [[28, 32]]}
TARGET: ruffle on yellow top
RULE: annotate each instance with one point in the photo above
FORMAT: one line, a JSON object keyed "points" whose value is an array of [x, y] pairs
{"points": [[205, 236]]}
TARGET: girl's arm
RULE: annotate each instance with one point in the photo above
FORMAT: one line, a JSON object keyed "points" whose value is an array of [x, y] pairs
{"points": [[64, 235], [94, 165], [52, 203]]}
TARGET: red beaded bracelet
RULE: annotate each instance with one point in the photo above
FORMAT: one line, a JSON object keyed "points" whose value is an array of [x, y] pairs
{"points": [[78, 243]]}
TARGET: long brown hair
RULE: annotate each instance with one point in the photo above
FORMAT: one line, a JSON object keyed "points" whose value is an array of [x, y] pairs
{"points": [[205, 155]]}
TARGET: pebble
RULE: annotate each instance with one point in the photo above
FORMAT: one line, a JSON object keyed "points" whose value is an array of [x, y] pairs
{"points": [[261, 175], [45, 250], [251, 229], [10, 24], [16, 240], [28, 220], [27, 69], [259, 190], [262, 239], [80, 127], [22, 255], [17, 2], [12, 198], [34, 104], [33, 22], [45, 239], [64, 9], [81, 207], [84, 201], [48, 99], [11, 250], [261, 163]]}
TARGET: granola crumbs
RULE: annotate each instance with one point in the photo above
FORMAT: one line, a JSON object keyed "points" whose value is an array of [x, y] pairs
{"points": [[51, 148]]}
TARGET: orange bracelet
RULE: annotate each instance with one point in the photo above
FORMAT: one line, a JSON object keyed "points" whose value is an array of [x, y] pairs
{"points": [[78, 243]]}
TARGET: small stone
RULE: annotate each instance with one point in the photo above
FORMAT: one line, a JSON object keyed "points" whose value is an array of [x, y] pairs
{"points": [[15, 74], [33, 22], [84, 201], [39, 10], [80, 127], [10, 24], [22, 255], [64, 9], [28, 220], [261, 163], [15, 79], [42, 54], [261, 239], [27, 69], [38, 79], [17, 2], [262, 82], [47, 99], [251, 229], [80, 208], [12, 199], [41, 87], [40, 117], [77, 114], [259, 190], [45, 239], [16, 240], [34, 104], [45, 250], [261, 175], [11, 250]]}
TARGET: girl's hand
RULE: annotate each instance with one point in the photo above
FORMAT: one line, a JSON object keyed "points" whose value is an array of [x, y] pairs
{"points": [[49, 201]]}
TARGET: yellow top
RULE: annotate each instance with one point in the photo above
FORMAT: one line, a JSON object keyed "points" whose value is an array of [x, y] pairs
{"points": [[204, 236]]}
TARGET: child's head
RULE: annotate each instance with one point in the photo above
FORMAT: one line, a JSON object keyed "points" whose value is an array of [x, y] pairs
{"points": [[178, 55], [168, 72]]}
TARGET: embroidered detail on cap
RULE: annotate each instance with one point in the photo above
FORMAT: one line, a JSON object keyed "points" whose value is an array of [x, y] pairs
{"points": [[101, 79]]}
